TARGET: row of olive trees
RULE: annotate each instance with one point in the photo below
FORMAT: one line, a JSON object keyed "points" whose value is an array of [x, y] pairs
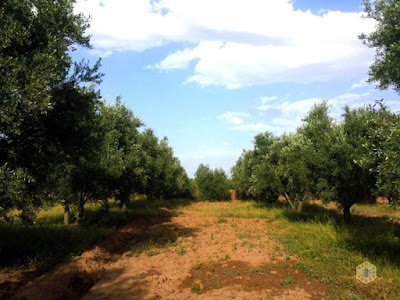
{"points": [[58, 140], [346, 161]]}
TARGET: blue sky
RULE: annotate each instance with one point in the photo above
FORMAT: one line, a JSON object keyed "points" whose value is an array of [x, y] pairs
{"points": [[211, 74]]}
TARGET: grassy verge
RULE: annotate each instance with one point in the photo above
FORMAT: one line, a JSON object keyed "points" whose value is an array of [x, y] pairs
{"points": [[330, 250]]}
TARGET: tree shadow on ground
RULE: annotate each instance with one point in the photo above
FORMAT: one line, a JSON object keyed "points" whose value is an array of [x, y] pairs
{"points": [[53, 243], [149, 242], [373, 237], [73, 280], [45, 246]]}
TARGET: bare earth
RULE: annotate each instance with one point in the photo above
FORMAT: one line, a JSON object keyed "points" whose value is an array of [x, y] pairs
{"points": [[181, 257]]}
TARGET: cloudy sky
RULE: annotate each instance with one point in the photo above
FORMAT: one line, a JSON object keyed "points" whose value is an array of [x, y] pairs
{"points": [[211, 74]]}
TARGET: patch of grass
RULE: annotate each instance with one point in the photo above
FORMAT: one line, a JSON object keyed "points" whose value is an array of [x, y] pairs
{"points": [[239, 209], [205, 225], [151, 252], [303, 267], [352, 297], [217, 281], [226, 257], [195, 288], [181, 250], [172, 240], [331, 250], [244, 236], [288, 280], [260, 271], [150, 249], [252, 246], [221, 220], [367, 209]]}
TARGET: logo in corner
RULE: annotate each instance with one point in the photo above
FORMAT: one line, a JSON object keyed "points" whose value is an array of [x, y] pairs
{"points": [[366, 272]]}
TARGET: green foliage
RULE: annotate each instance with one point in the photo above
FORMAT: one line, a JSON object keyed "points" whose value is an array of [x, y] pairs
{"points": [[35, 37], [212, 184], [382, 148], [385, 39], [14, 192], [347, 162], [165, 177], [254, 174], [293, 171], [241, 173], [46, 113], [58, 142], [121, 153]]}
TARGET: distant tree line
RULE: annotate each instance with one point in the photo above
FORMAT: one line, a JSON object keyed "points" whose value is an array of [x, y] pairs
{"points": [[59, 141], [211, 185]]}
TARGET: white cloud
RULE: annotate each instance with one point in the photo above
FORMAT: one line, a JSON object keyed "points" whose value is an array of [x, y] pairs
{"points": [[235, 118], [267, 99], [279, 116], [362, 83], [286, 116], [240, 121], [100, 52], [235, 43], [182, 58], [263, 105], [258, 127]]}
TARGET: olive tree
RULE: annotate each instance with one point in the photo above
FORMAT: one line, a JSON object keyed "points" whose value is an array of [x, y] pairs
{"points": [[212, 184], [385, 40]]}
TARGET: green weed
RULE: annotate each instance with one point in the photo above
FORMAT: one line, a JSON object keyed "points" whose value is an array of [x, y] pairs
{"points": [[181, 250], [195, 288]]}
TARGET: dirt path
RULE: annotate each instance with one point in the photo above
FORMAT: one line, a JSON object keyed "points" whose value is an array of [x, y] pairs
{"points": [[180, 258]]}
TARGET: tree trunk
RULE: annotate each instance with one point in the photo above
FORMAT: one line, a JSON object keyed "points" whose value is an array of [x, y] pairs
{"points": [[346, 214], [80, 212], [81, 205], [105, 206], [390, 198], [299, 206], [66, 214], [289, 201]]}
